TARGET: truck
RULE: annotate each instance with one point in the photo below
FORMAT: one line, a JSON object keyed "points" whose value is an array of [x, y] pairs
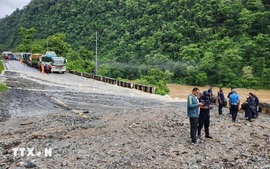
{"points": [[54, 63], [34, 59], [26, 58]]}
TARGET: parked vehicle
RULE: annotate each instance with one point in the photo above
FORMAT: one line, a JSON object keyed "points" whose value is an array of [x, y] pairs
{"points": [[8, 55], [26, 58], [54, 63], [34, 59]]}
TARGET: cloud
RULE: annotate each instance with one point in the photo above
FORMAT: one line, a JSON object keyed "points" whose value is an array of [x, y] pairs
{"points": [[9, 6]]}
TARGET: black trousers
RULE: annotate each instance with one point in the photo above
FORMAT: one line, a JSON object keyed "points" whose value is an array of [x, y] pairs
{"points": [[204, 120], [220, 106], [193, 128], [234, 111]]}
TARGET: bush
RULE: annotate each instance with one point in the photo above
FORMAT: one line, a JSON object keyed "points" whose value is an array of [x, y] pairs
{"points": [[3, 87], [157, 79]]}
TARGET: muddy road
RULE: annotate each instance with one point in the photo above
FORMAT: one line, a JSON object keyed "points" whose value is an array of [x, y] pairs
{"points": [[84, 123], [43, 92]]}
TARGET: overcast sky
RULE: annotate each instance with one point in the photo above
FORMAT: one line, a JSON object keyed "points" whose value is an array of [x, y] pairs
{"points": [[9, 6]]}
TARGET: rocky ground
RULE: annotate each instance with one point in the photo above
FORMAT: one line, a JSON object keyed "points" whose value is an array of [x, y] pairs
{"points": [[113, 127]]}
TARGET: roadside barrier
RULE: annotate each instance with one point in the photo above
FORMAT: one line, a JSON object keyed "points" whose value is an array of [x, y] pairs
{"points": [[141, 87], [125, 84], [145, 88], [109, 80]]}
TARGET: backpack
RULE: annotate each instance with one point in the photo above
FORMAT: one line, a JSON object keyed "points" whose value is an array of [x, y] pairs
{"points": [[256, 100]]}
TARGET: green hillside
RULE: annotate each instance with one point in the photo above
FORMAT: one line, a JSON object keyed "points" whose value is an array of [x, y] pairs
{"points": [[196, 42]]}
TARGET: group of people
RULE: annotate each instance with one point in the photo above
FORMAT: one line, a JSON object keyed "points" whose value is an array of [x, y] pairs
{"points": [[199, 106], [45, 68]]}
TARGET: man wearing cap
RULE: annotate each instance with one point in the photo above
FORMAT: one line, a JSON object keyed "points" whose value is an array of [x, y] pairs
{"points": [[204, 117], [234, 102], [230, 109]]}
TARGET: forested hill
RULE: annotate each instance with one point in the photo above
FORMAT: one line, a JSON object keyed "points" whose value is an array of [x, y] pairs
{"points": [[197, 42]]}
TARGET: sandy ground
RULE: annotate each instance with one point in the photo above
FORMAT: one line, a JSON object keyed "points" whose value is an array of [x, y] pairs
{"points": [[181, 92], [90, 124]]}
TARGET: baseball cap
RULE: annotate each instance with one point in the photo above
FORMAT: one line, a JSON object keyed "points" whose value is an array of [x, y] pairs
{"points": [[205, 93], [233, 90]]}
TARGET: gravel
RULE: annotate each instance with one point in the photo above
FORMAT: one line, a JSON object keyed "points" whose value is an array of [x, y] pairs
{"points": [[90, 124]]}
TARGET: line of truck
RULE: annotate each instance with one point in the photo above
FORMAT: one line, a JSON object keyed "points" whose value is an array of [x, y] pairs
{"points": [[49, 60]]}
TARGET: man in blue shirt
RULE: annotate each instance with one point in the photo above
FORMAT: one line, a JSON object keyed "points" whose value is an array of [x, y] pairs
{"points": [[234, 102]]}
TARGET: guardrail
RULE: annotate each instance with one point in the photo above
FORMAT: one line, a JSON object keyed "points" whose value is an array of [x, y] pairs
{"points": [[141, 87]]}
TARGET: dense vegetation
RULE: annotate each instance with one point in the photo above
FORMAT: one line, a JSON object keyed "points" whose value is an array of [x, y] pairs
{"points": [[196, 42], [3, 87]]}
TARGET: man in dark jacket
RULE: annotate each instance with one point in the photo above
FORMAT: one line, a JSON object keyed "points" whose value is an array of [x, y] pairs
{"points": [[221, 100], [256, 100], [204, 117]]}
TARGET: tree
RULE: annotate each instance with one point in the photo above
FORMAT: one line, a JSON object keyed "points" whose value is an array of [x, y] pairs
{"points": [[27, 38]]}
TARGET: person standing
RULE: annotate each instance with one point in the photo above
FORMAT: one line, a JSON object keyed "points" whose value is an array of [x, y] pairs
{"points": [[257, 101], [250, 107], [221, 100], [204, 117], [193, 108], [234, 102], [229, 94], [210, 92]]}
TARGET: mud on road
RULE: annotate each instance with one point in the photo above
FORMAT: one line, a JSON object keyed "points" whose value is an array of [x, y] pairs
{"points": [[89, 124]]}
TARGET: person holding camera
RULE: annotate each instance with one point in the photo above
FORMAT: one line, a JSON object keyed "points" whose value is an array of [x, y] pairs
{"points": [[204, 117], [193, 107]]}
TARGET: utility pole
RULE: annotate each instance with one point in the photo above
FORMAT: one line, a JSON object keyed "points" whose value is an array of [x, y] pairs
{"points": [[96, 54], [47, 43]]}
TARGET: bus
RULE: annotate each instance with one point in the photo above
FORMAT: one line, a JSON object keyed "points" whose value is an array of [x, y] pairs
{"points": [[55, 64], [8, 55]]}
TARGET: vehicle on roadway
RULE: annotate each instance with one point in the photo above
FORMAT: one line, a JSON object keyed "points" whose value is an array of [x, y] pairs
{"points": [[54, 63], [8, 55]]}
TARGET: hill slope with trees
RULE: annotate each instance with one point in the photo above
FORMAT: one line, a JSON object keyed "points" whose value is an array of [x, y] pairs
{"points": [[196, 42]]}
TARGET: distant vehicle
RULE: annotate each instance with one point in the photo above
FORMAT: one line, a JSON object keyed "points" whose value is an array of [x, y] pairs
{"points": [[54, 63], [34, 59], [51, 53], [8, 55], [17, 55], [26, 57]]}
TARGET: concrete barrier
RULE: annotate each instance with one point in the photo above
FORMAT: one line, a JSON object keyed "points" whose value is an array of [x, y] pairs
{"points": [[87, 75], [109, 80], [78, 73], [144, 88], [124, 84], [99, 78]]}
